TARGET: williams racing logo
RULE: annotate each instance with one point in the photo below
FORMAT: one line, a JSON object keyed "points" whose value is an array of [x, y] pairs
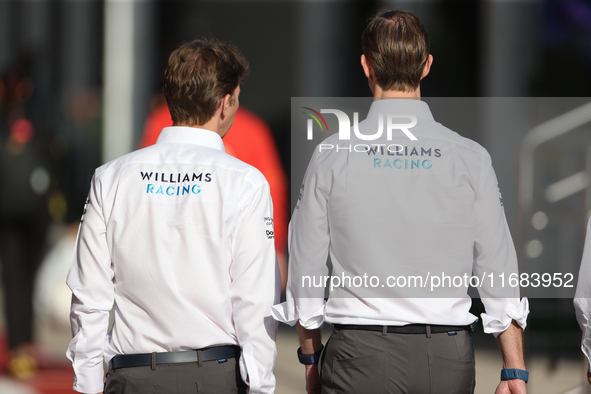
{"points": [[403, 157], [174, 184]]}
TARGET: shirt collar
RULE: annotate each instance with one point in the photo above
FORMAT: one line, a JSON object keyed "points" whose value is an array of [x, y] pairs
{"points": [[412, 106], [190, 135]]}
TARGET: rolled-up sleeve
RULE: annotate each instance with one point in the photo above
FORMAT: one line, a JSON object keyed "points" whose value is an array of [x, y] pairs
{"points": [[583, 297], [254, 289], [494, 254], [91, 280], [308, 311]]}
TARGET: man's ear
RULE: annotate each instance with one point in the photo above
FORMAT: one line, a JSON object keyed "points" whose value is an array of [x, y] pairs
{"points": [[225, 105], [427, 67], [366, 67]]}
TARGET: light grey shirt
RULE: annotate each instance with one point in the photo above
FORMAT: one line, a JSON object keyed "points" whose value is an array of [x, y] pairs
{"points": [[403, 211]]}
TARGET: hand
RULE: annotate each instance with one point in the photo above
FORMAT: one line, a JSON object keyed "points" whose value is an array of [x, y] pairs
{"points": [[313, 382], [513, 386]]}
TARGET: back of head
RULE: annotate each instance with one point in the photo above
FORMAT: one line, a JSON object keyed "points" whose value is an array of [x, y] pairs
{"points": [[397, 47], [199, 75]]}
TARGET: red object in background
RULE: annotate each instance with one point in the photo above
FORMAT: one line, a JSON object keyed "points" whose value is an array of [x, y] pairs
{"points": [[22, 130], [251, 141]]}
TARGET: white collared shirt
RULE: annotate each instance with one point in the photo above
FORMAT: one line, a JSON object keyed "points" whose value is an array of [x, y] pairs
{"points": [[179, 237], [405, 209], [582, 299]]}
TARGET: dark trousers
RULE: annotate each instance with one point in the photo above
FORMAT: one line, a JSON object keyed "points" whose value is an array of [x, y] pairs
{"points": [[22, 243], [208, 377], [369, 362]]}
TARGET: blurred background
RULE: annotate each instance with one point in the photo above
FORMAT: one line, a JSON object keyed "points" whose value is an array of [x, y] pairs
{"points": [[80, 83]]}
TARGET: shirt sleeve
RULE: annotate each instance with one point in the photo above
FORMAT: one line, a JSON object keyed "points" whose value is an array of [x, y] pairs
{"points": [[494, 253], [254, 289], [583, 297], [308, 242], [91, 280]]}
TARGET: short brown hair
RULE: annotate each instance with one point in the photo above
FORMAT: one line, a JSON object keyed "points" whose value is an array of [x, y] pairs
{"points": [[199, 75], [397, 47]]}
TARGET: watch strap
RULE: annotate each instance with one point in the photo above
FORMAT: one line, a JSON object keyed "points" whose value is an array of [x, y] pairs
{"points": [[513, 373], [309, 359]]}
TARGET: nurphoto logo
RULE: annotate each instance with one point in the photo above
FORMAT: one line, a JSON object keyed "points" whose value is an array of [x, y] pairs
{"points": [[345, 124]]}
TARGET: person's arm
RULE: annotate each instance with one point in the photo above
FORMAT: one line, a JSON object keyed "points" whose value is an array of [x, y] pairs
{"points": [[308, 253], [255, 287], [511, 344], [308, 248], [308, 244], [494, 254], [583, 311], [582, 300], [90, 279], [311, 342], [495, 257]]}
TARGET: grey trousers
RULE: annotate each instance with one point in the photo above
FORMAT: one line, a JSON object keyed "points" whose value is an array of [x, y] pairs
{"points": [[369, 362], [209, 378]]}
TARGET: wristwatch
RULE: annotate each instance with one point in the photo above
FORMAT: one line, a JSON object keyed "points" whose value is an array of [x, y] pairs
{"points": [[309, 359], [512, 373]]}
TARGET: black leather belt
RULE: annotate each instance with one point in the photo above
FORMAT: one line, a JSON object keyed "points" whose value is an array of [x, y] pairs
{"points": [[407, 329], [186, 356]]}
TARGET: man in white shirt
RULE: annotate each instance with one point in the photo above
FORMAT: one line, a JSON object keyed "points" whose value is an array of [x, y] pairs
{"points": [[400, 208], [179, 238], [582, 299]]}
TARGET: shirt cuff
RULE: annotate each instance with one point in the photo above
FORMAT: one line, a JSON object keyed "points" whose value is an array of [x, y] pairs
{"points": [[89, 379], [289, 312], [513, 311]]}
